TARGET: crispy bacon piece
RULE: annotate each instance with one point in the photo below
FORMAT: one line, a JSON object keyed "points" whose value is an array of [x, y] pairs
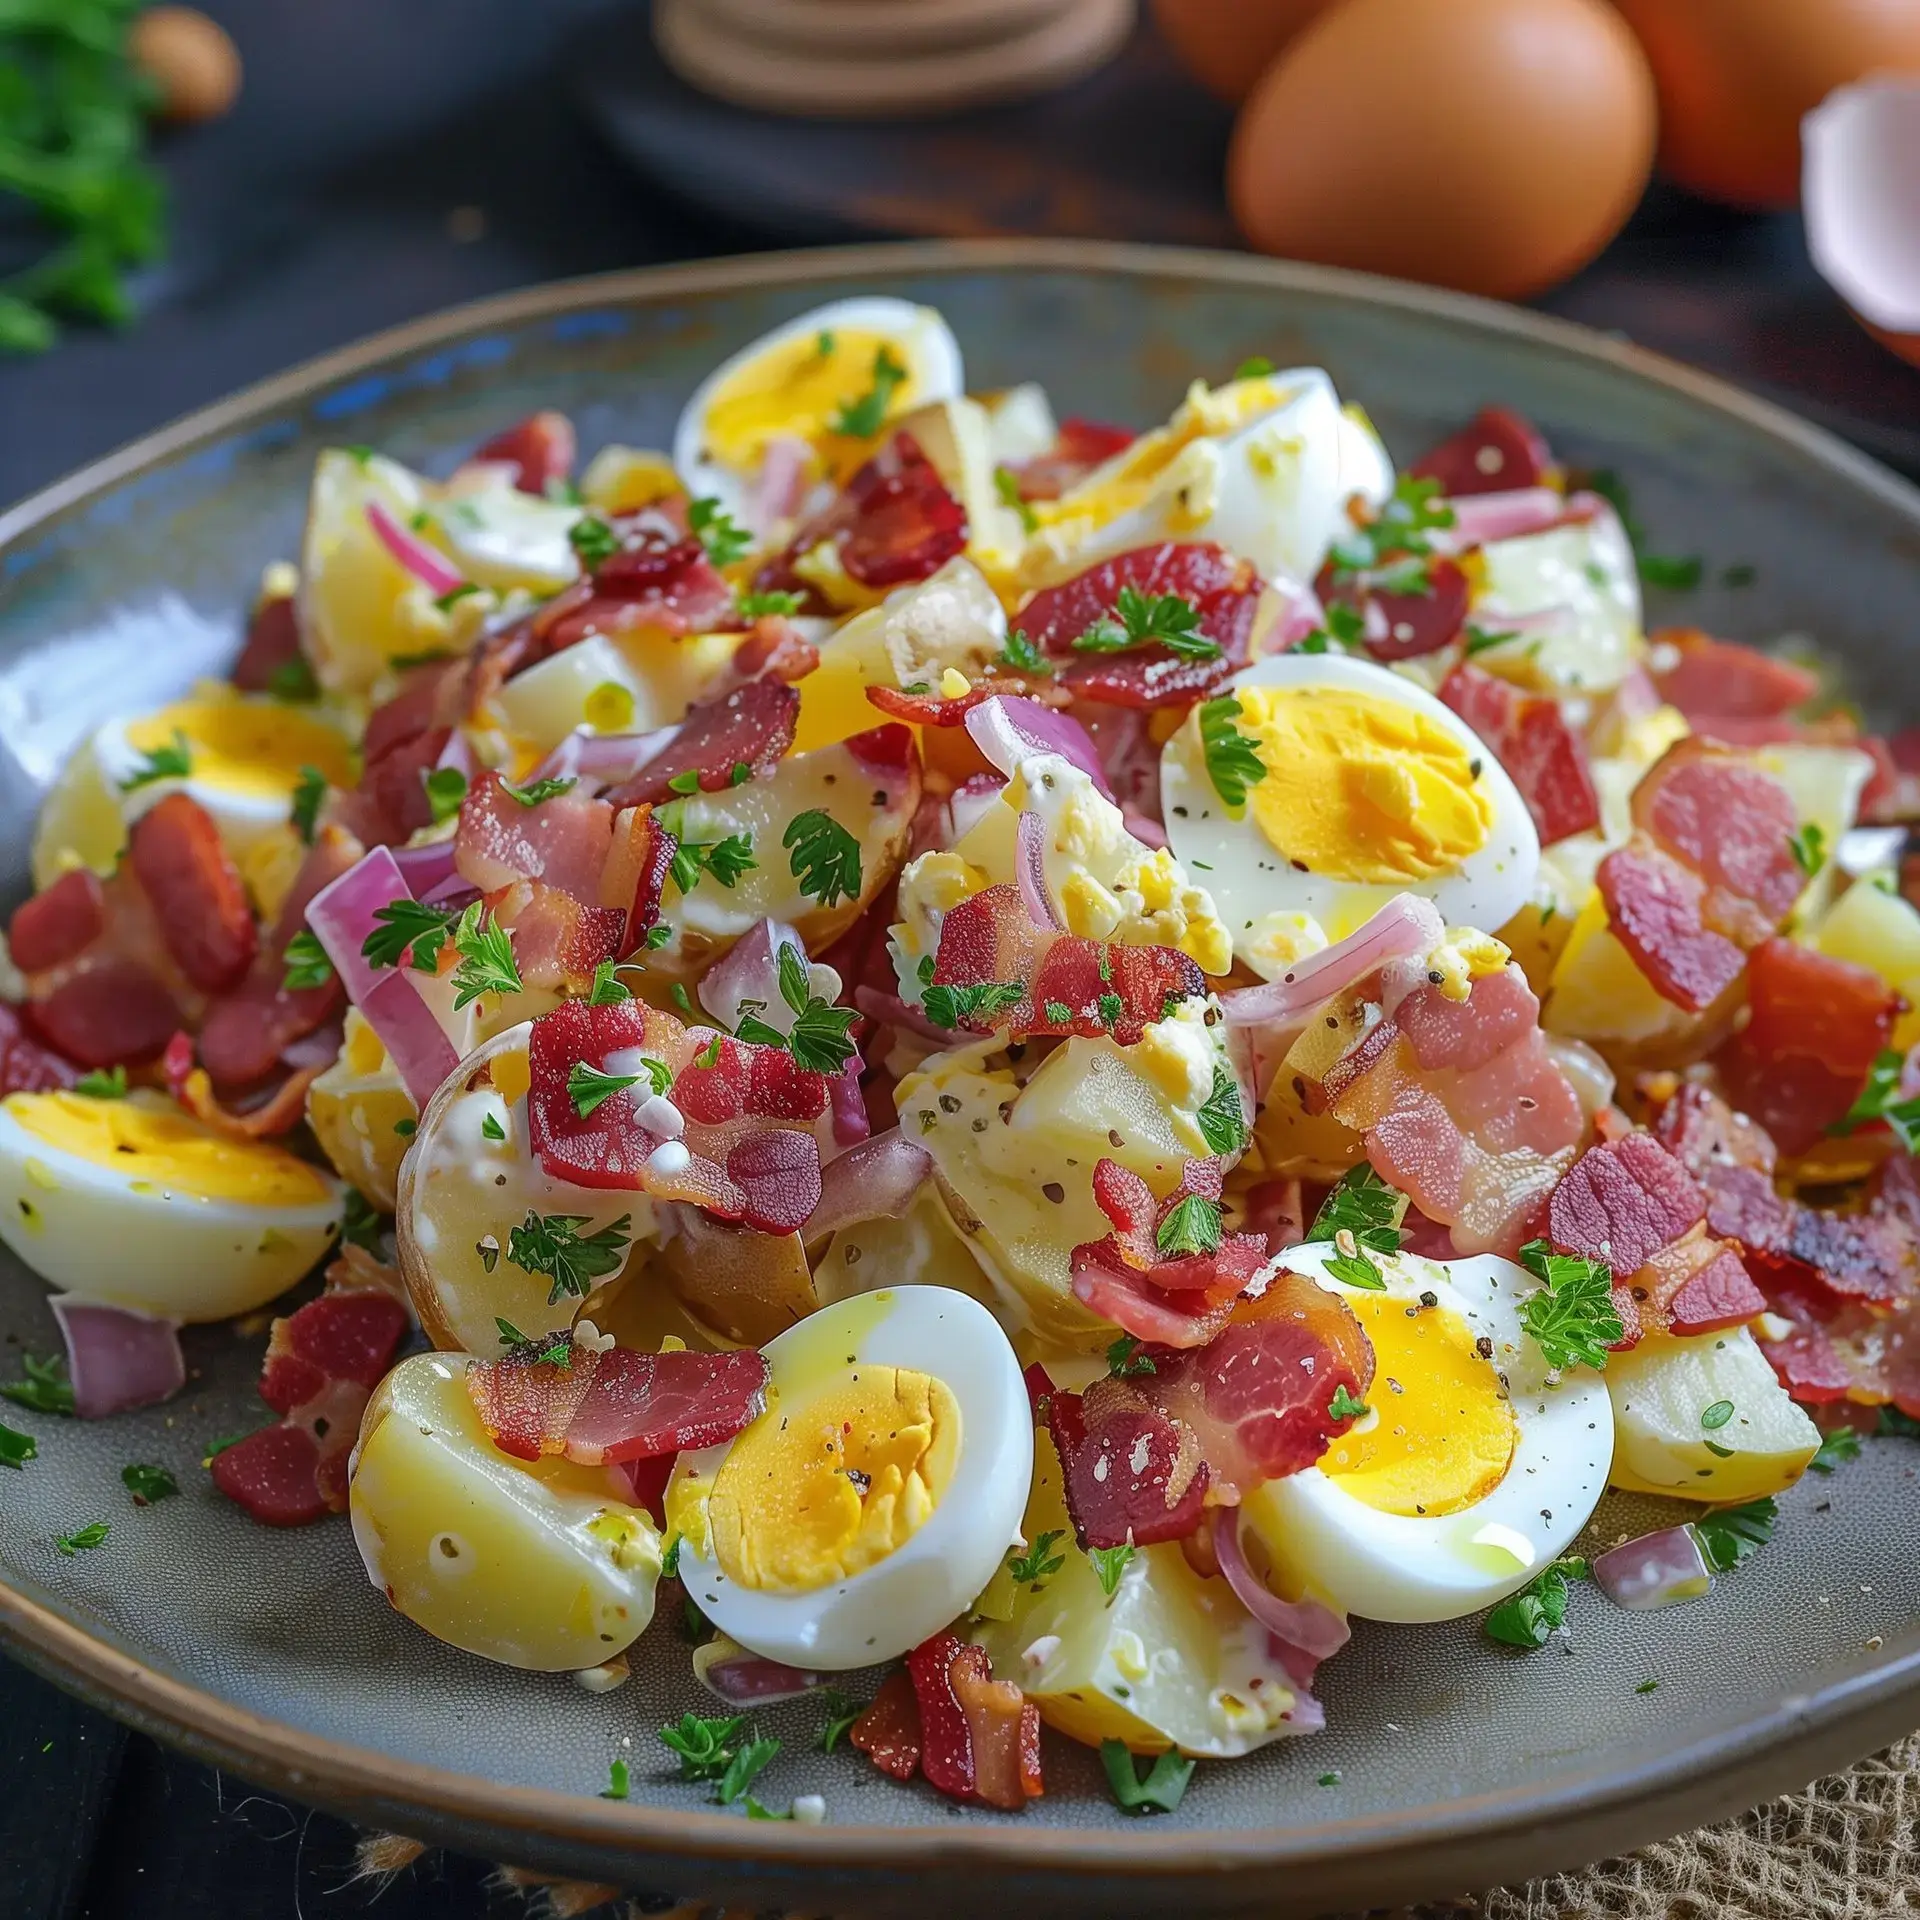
{"points": [[1403, 626], [1130, 1473], [1068, 984], [118, 1011], [938, 710], [59, 922], [322, 1364], [1713, 680], [1699, 1284], [635, 875], [563, 841], [273, 642], [1530, 737], [777, 649], [1079, 447], [556, 1396], [25, 1066], [557, 941], [540, 449], [888, 1733], [752, 727], [1224, 590], [1496, 451], [1623, 1201], [188, 875], [1179, 1301], [980, 1737]]}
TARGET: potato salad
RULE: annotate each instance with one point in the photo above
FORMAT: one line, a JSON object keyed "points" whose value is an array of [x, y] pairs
{"points": [[996, 1068]]}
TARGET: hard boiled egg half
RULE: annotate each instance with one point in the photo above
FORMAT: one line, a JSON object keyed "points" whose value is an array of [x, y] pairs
{"points": [[798, 382], [875, 1496], [136, 1203], [1368, 787], [1472, 1467]]}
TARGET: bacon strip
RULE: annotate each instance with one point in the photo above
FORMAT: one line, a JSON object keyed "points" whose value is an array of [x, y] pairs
{"points": [[563, 841], [1079, 446], [1131, 1474], [750, 727], [888, 1733], [539, 449], [1495, 452], [184, 869], [58, 923], [1713, 680], [980, 1737], [1530, 737]]}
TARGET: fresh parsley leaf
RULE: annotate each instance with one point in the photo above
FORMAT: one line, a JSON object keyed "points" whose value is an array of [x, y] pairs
{"points": [[726, 860], [536, 791], [821, 1040], [1409, 515], [1572, 1318], [307, 962], [590, 1089], [1233, 760], [486, 958], [1529, 1618], [670, 1560], [446, 602], [1159, 1790], [360, 1222], [309, 796], [1344, 627], [1058, 1013], [825, 857], [1362, 1204], [1733, 1535], [606, 990], [1020, 655], [861, 419], [293, 681], [215, 1448], [1193, 1226], [757, 606], [446, 788], [1222, 1118], [510, 1335], [85, 1540], [1142, 620], [16, 1449], [686, 782], [551, 1246], [619, 1781], [1111, 1564], [490, 1127], [1039, 1563], [1255, 367], [103, 1083], [1356, 1270], [1657, 570], [1479, 639], [171, 762], [705, 1747], [842, 1712], [45, 1388], [1878, 1100], [1836, 1448], [148, 1484], [1343, 1406], [401, 924], [950, 1007], [1006, 484], [1808, 845], [1678, 574], [746, 1766], [1126, 1362], [594, 540], [716, 529]]}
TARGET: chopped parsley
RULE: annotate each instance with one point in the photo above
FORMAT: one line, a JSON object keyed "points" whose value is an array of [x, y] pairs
{"points": [[1192, 1227], [841, 1714], [1020, 655], [590, 1089], [1039, 1563], [45, 1388], [756, 606], [360, 1221], [174, 761], [619, 1782], [1808, 845], [1879, 1100], [148, 1485], [1678, 575], [552, 1247], [1733, 1535], [1125, 1361], [103, 1083], [725, 859], [532, 794], [1356, 1270], [1144, 620], [606, 990], [486, 958], [215, 1448], [1006, 484], [1255, 367], [16, 1448], [705, 1747], [294, 682], [716, 529], [309, 796], [446, 788], [401, 924], [1479, 639], [1572, 1318], [85, 1540], [1343, 1406], [1222, 1118], [670, 1560], [1412, 512], [1345, 627], [307, 962], [1717, 1415], [1531, 1617], [1233, 760], [446, 602], [1893, 1424], [825, 857], [1362, 1204], [861, 419], [510, 1335], [820, 1040], [491, 1129], [1110, 1565], [594, 540], [746, 1766], [1836, 1448], [1159, 1790]]}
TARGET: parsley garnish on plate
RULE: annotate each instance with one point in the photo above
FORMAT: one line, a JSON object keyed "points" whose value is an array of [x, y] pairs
{"points": [[861, 419], [361, 1221], [1731, 1536], [103, 1083], [174, 761], [1039, 1563], [1145, 620], [1529, 1618], [1020, 655], [84, 1540], [746, 1766], [293, 681], [948, 1006], [1572, 1318], [1677, 573], [1192, 1227], [704, 1747], [1006, 485], [552, 1247], [725, 859], [490, 1127], [606, 990], [16, 1448], [590, 1089], [1836, 1449], [1344, 626], [1356, 1270], [309, 796], [619, 1781], [1879, 1099], [1126, 1362], [1255, 367], [1110, 1565], [1479, 639], [1343, 1406], [759, 604], [148, 1485], [401, 924], [1401, 530], [825, 857], [1362, 1204], [306, 962], [486, 958], [594, 540], [1233, 760], [842, 1712], [1808, 845], [1159, 1790], [536, 791], [45, 1388]]}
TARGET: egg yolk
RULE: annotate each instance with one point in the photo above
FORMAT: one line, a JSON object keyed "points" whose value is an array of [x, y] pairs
{"points": [[1359, 788], [797, 386], [251, 749], [818, 1491], [1443, 1432], [158, 1144]]}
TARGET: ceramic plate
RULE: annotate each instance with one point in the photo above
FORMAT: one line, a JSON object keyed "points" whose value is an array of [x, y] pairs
{"points": [[1453, 1764]]}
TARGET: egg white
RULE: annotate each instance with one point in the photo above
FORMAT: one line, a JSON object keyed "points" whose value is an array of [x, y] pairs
{"points": [[919, 336], [1250, 881], [890, 1607], [1387, 1566]]}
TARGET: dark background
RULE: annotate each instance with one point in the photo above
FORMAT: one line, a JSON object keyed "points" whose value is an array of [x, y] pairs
{"points": [[388, 160]]}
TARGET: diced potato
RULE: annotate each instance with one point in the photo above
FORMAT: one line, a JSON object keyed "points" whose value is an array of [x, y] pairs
{"points": [[1588, 570], [503, 538], [957, 437], [624, 479], [919, 1249], [1600, 995], [1168, 1660], [1290, 1140], [1661, 1391], [356, 1109], [1881, 931], [535, 1565]]}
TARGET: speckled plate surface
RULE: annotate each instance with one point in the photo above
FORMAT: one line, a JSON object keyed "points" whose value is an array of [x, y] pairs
{"points": [[1457, 1765]]}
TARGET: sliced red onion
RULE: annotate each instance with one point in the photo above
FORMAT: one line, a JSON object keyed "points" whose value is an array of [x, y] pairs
{"points": [[427, 564], [118, 1359], [1480, 517], [744, 1679], [1663, 1569], [874, 1181], [889, 1010], [1150, 833], [412, 1036], [849, 1106], [1010, 730], [1406, 925], [601, 759], [782, 481], [424, 867], [750, 970], [1304, 1626], [455, 891], [341, 916], [1030, 869], [319, 1049]]}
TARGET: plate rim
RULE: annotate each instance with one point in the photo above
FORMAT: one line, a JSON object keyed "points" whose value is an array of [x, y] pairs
{"points": [[1530, 1827]]}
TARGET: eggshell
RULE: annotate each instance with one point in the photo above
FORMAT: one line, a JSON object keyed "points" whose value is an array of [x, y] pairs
{"points": [[1736, 76], [1490, 145], [1863, 211], [1227, 44]]}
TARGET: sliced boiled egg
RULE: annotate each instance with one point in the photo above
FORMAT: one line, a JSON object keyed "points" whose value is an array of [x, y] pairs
{"points": [[1473, 1466], [535, 1564], [134, 1202], [813, 380], [1368, 787], [875, 1496]]}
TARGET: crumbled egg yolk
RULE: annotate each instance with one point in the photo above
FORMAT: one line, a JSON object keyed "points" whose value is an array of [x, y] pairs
{"points": [[819, 1489], [1177, 1055], [248, 748], [1441, 1433], [1462, 958], [151, 1141], [797, 386], [625, 479], [930, 889], [1277, 940], [1360, 788]]}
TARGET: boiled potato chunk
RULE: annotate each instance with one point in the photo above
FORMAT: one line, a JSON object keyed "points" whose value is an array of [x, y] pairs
{"points": [[921, 1248], [1879, 930], [532, 1565], [1170, 1660], [1667, 1388], [362, 1114]]}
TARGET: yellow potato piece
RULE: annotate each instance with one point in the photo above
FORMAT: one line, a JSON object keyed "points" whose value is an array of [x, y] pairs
{"points": [[354, 1109]]}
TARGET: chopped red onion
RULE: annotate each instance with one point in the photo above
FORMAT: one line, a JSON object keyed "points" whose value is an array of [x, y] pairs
{"points": [[1030, 869], [971, 801], [427, 564], [1661, 1569], [1150, 833], [424, 867], [1010, 730], [455, 891], [744, 1679], [1480, 517], [1301, 618], [601, 759], [1302, 1628], [875, 1180], [118, 1359], [414, 1039], [750, 970], [849, 1106], [1406, 925]]}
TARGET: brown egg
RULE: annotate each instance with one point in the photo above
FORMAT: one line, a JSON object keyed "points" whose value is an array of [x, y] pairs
{"points": [[1228, 44], [1491, 145], [190, 60], [1735, 77]]}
